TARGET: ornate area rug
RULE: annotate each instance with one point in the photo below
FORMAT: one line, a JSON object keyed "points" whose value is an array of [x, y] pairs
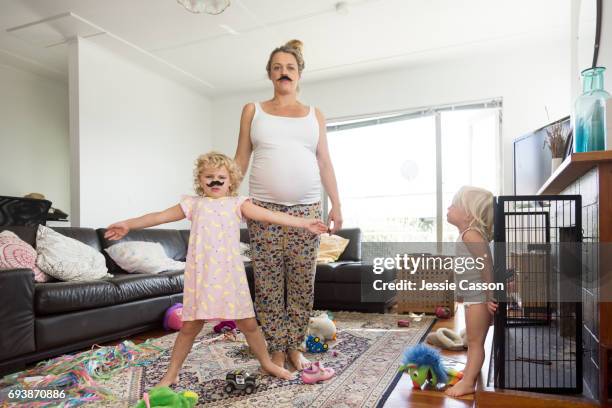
{"points": [[365, 356]]}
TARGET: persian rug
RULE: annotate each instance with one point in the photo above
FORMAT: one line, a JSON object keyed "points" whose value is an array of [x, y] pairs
{"points": [[365, 355]]}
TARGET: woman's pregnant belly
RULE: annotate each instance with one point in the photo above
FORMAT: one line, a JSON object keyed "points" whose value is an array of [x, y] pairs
{"points": [[290, 176]]}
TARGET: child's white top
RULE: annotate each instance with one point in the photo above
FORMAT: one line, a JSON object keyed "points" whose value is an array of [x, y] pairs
{"points": [[285, 169]]}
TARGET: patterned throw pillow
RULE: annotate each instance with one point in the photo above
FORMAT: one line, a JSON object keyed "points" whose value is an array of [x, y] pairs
{"points": [[142, 257], [66, 258], [17, 254]]}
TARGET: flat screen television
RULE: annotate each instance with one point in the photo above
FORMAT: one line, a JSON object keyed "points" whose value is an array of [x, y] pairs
{"points": [[532, 160]]}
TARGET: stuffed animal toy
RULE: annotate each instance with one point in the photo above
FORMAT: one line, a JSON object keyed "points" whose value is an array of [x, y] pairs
{"points": [[225, 326], [424, 366], [322, 327], [173, 319], [164, 397]]}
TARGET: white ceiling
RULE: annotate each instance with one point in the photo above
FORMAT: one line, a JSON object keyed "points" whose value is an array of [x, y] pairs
{"points": [[374, 35]]}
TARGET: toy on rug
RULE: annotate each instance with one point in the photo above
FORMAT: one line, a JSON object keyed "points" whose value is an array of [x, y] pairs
{"points": [[240, 380], [443, 312], [164, 397], [173, 319], [224, 326], [424, 366], [416, 317], [323, 327], [403, 323], [76, 374], [447, 339], [315, 345]]}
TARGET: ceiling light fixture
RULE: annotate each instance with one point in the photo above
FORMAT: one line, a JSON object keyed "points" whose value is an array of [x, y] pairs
{"points": [[205, 6], [342, 8]]}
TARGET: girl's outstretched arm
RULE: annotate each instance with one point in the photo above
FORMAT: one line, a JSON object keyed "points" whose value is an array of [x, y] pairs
{"points": [[258, 213], [119, 229]]}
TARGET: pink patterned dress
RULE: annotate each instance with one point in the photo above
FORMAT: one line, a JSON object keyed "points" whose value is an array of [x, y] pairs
{"points": [[216, 287]]}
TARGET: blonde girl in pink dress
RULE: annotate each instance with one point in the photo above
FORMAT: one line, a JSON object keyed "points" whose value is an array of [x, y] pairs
{"points": [[215, 281]]}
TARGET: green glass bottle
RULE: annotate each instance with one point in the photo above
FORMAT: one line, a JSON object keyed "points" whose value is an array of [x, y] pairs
{"points": [[590, 112]]}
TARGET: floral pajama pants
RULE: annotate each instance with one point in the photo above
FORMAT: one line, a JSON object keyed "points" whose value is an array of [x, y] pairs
{"points": [[284, 264]]}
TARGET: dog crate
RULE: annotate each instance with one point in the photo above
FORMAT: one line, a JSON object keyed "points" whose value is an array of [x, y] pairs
{"points": [[537, 343]]}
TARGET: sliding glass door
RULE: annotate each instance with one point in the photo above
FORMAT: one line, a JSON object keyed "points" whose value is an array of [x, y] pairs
{"points": [[397, 174]]}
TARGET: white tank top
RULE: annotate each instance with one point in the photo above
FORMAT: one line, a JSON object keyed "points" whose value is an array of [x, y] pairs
{"points": [[285, 169]]}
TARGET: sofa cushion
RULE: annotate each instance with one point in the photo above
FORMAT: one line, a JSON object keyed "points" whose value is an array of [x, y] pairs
{"points": [[142, 257], [173, 242], [66, 258], [132, 287], [64, 297], [177, 279]]}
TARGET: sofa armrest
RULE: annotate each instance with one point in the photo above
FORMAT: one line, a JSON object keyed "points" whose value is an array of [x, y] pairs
{"points": [[17, 313]]}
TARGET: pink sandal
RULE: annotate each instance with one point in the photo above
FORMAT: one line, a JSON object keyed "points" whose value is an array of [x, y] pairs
{"points": [[315, 373]]}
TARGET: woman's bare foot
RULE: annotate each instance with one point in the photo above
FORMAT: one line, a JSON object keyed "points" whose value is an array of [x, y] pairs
{"points": [[279, 358], [463, 387], [298, 360], [276, 371], [167, 381]]}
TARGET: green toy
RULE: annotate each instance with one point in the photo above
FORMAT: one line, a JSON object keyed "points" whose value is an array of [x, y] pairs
{"points": [[424, 366], [164, 397]]}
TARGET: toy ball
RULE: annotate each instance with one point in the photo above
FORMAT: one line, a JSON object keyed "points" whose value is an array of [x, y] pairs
{"points": [[443, 312], [173, 319], [225, 326]]}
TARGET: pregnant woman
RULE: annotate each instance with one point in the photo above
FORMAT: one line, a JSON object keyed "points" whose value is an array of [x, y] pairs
{"points": [[290, 162]]}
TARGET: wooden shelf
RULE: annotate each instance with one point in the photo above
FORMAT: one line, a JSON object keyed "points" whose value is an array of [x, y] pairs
{"points": [[572, 168]]}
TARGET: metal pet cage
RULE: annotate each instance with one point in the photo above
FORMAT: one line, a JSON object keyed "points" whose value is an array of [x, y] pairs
{"points": [[537, 344]]}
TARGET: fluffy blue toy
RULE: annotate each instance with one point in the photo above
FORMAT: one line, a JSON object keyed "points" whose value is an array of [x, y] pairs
{"points": [[424, 365]]}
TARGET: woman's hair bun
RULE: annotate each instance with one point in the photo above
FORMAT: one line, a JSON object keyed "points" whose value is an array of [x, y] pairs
{"points": [[297, 44]]}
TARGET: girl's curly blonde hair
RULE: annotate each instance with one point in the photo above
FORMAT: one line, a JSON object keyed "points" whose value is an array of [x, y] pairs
{"points": [[216, 160]]}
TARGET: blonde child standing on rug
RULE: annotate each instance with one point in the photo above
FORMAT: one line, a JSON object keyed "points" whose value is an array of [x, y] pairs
{"points": [[215, 286], [472, 213]]}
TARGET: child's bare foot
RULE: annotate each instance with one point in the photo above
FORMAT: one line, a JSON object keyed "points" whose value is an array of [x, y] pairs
{"points": [[298, 360], [278, 358], [167, 381], [276, 371], [463, 387]]}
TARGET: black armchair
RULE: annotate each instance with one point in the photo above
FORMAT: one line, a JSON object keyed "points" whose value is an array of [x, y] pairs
{"points": [[23, 211]]}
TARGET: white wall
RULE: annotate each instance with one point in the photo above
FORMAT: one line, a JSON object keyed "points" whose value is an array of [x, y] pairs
{"points": [[604, 58], [527, 78], [138, 136], [34, 136]]}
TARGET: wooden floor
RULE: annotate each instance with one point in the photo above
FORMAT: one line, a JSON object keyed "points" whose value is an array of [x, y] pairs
{"points": [[486, 396]]}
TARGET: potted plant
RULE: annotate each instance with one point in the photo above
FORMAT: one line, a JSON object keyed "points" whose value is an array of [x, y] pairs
{"points": [[555, 141]]}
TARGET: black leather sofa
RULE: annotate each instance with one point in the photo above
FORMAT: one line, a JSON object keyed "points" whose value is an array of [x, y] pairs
{"points": [[42, 320]]}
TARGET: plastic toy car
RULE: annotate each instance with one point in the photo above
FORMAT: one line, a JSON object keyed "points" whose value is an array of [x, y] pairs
{"points": [[314, 345], [240, 380]]}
